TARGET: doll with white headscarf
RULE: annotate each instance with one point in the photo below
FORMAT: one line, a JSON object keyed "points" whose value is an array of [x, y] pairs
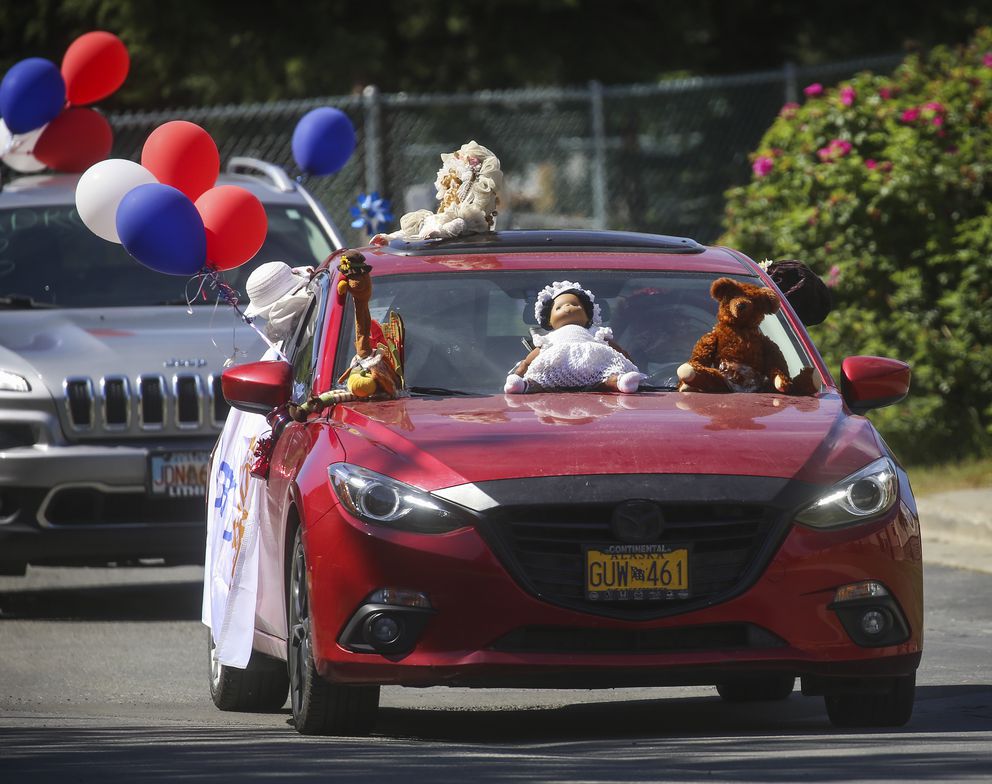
{"points": [[468, 185], [577, 353]]}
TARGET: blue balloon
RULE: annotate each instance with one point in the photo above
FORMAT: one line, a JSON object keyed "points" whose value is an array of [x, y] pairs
{"points": [[160, 227], [32, 93], [323, 140]]}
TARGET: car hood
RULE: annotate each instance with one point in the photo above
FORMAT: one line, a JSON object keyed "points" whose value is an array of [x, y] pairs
{"points": [[441, 442], [49, 345]]}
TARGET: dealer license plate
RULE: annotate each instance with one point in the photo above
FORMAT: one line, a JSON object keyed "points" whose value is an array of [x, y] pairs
{"points": [[178, 474], [637, 572]]}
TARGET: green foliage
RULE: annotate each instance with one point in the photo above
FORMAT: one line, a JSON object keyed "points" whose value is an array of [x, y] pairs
{"points": [[195, 53], [882, 185]]}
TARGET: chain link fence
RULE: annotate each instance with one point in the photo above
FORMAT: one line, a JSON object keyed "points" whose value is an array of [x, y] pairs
{"points": [[654, 158]]}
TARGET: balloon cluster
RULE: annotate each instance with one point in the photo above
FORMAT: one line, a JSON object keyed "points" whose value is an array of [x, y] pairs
{"points": [[45, 120], [166, 211]]}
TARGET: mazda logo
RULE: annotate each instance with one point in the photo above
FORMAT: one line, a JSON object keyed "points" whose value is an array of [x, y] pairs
{"points": [[637, 522]]}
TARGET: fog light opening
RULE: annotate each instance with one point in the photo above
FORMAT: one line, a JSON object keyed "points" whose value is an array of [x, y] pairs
{"points": [[383, 630], [875, 621]]}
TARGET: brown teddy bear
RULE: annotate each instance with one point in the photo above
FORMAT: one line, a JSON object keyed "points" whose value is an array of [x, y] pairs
{"points": [[735, 356]]}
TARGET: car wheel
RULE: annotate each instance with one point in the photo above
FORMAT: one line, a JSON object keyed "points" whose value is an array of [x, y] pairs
{"points": [[319, 707], [889, 709], [765, 689], [261, 687]]}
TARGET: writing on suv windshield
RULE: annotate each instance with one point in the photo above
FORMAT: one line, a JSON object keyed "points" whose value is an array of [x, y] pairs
{"points": [[48, 257]]}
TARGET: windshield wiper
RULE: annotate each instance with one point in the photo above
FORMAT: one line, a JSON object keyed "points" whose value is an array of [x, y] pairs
{"points": [[656, 388], [437, 391], [22, 302]]}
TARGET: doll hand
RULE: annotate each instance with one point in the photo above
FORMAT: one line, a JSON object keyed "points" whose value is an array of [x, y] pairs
{"points": [[515, 385], [629, 382]]}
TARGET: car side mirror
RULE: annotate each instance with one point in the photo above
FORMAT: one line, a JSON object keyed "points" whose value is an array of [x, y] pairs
{"points": [[258, 387], [873, 382]]}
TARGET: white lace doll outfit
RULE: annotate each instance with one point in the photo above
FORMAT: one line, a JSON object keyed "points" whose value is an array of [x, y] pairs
{"points": [[573, 356]]}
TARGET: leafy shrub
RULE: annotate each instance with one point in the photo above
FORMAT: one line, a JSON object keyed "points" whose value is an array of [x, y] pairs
{"points": [[882, 185]]}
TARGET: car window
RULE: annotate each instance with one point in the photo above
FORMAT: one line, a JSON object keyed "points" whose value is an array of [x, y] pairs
{"points": [[464, 331], [48, 254], [305, 345]]}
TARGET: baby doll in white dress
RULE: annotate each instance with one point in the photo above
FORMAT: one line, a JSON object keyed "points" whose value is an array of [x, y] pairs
{"points": [[578, 352]]}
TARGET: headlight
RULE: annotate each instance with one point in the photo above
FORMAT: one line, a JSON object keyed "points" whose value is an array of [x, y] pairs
{"points": [[864, 494], [12, 382], [379, 499]]}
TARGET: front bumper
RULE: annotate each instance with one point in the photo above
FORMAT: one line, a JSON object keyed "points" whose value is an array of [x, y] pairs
{"points": [[478, 606], [89, 503]]}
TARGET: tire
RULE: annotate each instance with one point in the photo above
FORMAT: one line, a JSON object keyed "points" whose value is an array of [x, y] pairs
{"points": [[319, 707], [260, 688], [892, 709], [769, 688]]}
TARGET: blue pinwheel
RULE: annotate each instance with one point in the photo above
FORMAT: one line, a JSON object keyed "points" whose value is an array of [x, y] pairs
{"points": [[371, 212]]}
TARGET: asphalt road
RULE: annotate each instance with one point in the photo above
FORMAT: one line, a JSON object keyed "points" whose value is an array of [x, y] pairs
{"points": [[103, 678]]}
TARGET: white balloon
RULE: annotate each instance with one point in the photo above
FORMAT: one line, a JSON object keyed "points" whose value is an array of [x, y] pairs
{"points": [[18, 151], [100, 190]]}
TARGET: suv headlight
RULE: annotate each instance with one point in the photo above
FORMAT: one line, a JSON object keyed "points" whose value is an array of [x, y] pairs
{"points": [[864, 494], [13, 382], [379, 499]]}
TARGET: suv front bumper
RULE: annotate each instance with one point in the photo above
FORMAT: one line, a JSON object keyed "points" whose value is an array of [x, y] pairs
{"points": [[90, 503]]}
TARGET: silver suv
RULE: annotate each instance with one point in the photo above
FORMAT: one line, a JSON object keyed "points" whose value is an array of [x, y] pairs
{"points": [[110, 398]]}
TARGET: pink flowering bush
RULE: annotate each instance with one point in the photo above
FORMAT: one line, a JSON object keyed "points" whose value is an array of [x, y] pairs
{"points": [[884, 186]]}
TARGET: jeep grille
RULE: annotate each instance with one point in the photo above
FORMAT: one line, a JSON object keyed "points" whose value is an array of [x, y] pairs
{"points": [[113, 403]]}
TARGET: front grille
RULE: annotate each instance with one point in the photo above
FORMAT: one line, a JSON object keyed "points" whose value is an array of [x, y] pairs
{"points": [[79, 402], [187, 391], [545, 544], [560, 639], [114, 401], [151, 402], [219, 407]]}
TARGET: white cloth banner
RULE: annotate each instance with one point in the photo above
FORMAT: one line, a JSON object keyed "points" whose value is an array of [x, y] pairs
{"points": [[230, 575]]}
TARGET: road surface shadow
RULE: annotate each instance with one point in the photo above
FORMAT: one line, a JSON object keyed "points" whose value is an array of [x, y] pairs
{"points": [[169, 601], [680, 739]]}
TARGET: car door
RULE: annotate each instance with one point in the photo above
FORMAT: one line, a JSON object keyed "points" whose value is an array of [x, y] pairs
{"points": [[288, 455]]}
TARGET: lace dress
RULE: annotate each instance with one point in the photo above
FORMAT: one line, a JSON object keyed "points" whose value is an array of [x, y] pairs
{"points": [[573, 356]]}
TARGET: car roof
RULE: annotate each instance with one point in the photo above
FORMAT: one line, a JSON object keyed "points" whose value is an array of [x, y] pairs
{"points": [[555, 249], [45, 189]]}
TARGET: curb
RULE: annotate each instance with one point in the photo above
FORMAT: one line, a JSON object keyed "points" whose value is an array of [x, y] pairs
{"points": [[960, 514], [957, 528]]}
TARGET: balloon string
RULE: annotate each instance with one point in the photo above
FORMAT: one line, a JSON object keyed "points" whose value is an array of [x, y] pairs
{"points": [[230, 296]]}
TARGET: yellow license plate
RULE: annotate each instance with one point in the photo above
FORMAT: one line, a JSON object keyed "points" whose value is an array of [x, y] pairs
{"points": [[638, 572]]}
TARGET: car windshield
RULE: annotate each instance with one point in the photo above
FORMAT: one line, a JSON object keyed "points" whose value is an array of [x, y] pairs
{"points": [[48, 257], [466, 331]]}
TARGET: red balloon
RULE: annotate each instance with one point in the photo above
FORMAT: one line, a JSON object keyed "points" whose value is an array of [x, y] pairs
{"points": [[236, 225], [182, 155], [94, 65], [74, 140]]}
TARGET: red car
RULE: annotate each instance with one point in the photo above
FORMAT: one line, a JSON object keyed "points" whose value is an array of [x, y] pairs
{"points": [[461, 536]]}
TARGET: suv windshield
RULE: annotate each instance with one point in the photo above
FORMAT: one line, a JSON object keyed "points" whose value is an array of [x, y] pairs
{"points": [[465, 331], [49, 257]]}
